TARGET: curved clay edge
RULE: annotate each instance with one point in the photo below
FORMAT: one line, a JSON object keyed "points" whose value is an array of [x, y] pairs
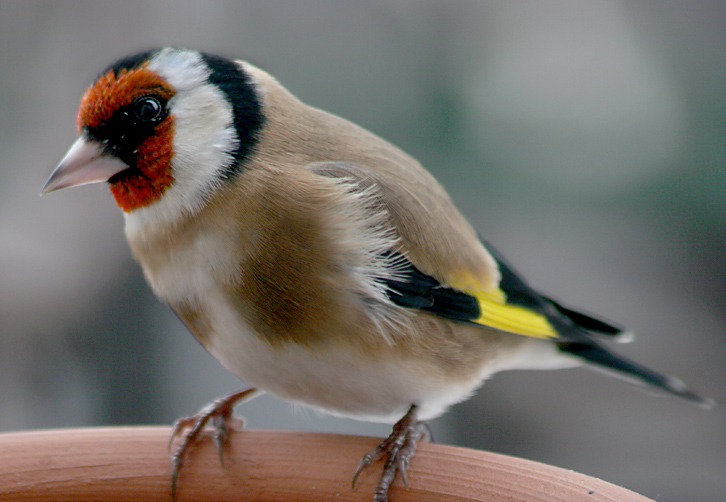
{"points": [[132, 463]]}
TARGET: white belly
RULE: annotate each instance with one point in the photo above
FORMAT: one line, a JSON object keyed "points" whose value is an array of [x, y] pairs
{"points": [[328, 377]]}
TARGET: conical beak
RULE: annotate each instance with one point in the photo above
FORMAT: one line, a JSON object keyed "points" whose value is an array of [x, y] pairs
{"points": [[84, 163]]}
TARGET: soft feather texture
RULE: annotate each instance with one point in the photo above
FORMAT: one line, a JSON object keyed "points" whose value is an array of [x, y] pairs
{"points": [[302, 283], [326, 266]]}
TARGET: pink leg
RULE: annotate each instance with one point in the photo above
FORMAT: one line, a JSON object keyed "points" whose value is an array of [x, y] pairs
{"points": [[219, 412], [398, 449]]}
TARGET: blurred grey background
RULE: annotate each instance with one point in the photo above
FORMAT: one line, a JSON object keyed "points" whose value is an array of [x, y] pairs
{"points": [[586, 140]]}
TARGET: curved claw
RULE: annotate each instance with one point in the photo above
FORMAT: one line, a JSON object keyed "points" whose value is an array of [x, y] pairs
{"points": [[179, 425], [219, 412], [398, 448], [374, 455]]}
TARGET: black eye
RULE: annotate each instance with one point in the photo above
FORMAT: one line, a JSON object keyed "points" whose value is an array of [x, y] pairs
{"points": [[148, 109]]}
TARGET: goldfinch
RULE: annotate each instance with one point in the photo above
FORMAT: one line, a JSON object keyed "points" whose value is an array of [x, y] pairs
{"points": [[313, 259]]}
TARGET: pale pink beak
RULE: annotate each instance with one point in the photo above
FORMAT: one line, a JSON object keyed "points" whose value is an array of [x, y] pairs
{"points": [[84, 163]]}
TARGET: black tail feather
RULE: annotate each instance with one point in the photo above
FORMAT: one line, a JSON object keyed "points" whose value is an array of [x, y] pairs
{"points": [[570, 324], [633, 372], [588, 322], [580, 335]]}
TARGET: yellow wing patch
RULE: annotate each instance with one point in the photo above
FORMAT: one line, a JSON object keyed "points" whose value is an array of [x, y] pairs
{"points": [[497, 313]]}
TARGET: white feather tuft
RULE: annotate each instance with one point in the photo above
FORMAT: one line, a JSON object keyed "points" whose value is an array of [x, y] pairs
{"points": [[366, 237]]}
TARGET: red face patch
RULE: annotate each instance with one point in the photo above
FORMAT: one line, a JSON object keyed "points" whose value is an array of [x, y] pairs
{"points": [[106, 97]]}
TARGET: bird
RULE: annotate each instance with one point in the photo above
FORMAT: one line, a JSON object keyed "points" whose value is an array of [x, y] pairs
{"points": [[313, 259]]}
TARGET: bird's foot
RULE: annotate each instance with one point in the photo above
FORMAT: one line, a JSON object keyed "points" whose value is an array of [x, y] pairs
{"points": [[219, 412], [398, 449]]}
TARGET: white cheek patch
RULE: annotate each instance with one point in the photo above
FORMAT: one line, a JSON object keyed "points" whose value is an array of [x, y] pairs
{"points": [[204, 137]]}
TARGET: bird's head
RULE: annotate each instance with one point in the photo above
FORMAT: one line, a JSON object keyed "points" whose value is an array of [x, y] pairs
{"points": [[164, 128]]}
